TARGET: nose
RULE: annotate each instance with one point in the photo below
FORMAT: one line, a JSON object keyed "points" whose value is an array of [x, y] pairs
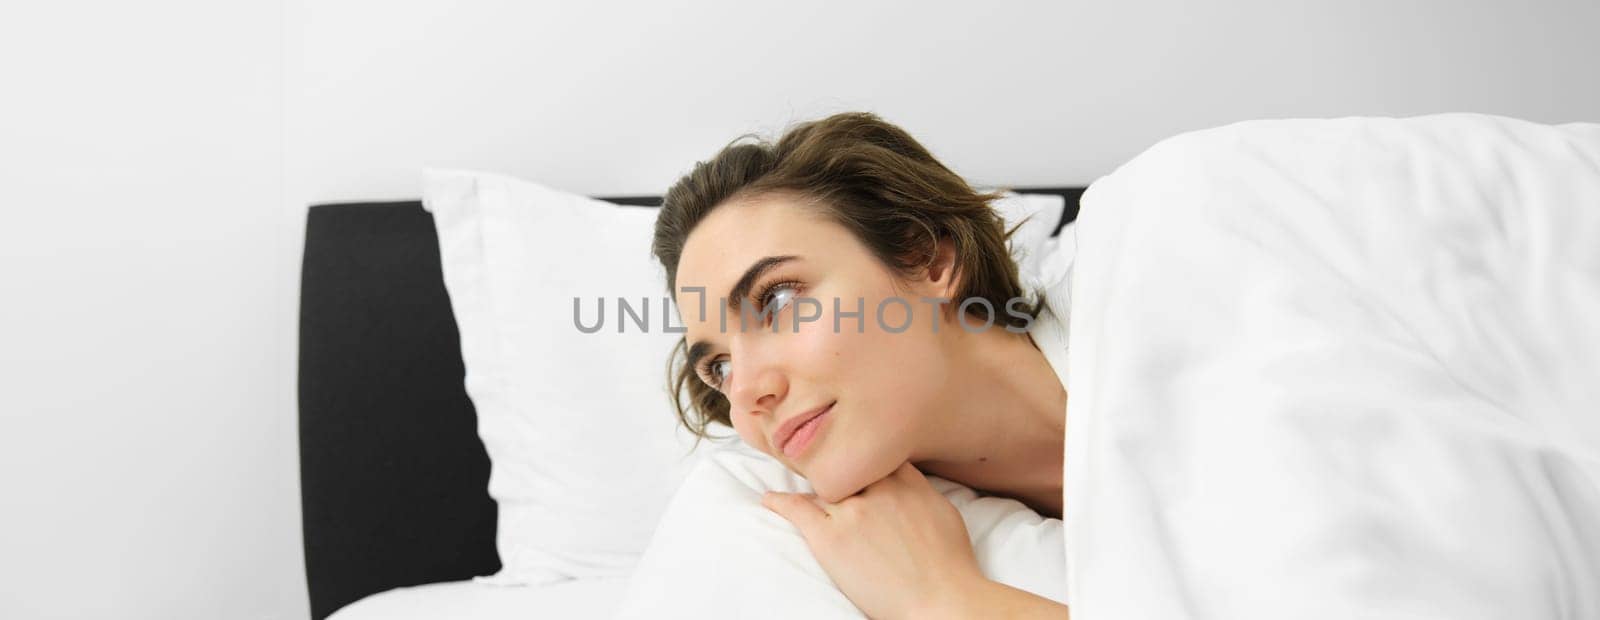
{"points": [[759, 380]]}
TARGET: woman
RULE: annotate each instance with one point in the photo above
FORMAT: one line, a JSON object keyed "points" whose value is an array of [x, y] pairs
{"points": [[851, 309]]}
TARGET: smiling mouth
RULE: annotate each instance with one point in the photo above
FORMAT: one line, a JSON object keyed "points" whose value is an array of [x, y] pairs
{"points": [[804, 435]]}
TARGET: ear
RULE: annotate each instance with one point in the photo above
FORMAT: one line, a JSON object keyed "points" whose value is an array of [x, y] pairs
{"points": [[942, 275]]}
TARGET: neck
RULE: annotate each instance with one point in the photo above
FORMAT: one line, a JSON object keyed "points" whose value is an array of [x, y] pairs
{"points": [[1003, 430]]}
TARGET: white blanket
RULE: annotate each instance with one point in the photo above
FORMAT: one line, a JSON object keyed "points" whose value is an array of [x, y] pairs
{"points": [[1339, 369]]}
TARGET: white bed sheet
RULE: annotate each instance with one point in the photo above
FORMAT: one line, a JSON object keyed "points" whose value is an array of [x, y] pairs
{"points": [[467, 600]]}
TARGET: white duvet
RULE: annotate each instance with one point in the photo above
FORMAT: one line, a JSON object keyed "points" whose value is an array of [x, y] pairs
{"points": [[1339, 369]]}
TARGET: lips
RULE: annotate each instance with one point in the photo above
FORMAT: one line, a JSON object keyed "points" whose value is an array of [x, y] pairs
{"points": [[786, 431]]}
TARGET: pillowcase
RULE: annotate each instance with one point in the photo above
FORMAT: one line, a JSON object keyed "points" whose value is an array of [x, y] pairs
{"points": [[718, 553], [585, 450], [1039, 213]]}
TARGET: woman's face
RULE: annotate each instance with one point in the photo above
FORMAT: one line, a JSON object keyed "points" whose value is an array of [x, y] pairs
{"points": [[880, 384]]}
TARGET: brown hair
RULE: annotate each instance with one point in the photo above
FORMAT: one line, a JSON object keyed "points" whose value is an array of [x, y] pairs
{"points": [[872, 178]]}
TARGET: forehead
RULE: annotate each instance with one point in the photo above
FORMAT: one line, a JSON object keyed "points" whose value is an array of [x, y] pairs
{"points": [[738, 233]]}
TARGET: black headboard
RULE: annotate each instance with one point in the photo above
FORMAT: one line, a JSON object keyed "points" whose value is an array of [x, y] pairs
{"points": [[393, 477]]}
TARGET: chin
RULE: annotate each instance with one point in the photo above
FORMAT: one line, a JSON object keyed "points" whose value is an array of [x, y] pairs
{"points": [[835, 484], [834, 493]]}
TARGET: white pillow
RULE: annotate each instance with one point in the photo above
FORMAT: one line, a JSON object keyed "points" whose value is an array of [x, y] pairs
{"points": [[1039, 213], [585, 452], [718, 553], [584, 446]]}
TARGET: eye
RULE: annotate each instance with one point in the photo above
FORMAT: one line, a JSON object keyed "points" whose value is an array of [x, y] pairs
{"points": [[715, 372], [778, 296]]}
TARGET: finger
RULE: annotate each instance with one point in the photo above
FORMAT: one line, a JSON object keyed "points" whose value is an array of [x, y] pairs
{"points": [[801, 510]]}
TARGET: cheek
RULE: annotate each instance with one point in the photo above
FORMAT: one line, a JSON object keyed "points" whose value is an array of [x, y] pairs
{"points": [[750, 432], [884, 381], [887, 370]]}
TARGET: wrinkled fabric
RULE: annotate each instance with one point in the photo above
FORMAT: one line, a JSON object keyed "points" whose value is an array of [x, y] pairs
{"points": [[1339, 369]]}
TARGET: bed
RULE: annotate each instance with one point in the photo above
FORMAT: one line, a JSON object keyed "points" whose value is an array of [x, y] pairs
{"points": [[393, 473], [1320, 368]]}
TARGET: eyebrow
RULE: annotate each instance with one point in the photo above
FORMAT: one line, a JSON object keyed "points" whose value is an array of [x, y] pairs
{"points": [[737, 293]]}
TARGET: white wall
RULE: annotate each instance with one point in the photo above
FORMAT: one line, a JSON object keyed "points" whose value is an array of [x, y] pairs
{"points": [[155, 160], [622, 97], [147, 455]]}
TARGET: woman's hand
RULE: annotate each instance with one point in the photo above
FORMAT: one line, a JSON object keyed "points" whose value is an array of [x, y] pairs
{"points": [[896, 548]]}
